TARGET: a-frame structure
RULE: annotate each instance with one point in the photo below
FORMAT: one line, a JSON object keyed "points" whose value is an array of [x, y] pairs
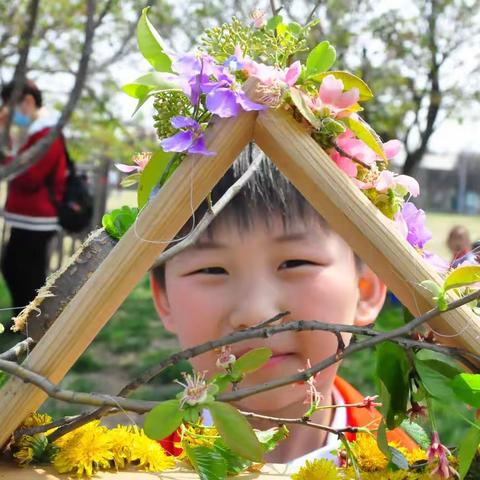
{"points": [[314, 174]]}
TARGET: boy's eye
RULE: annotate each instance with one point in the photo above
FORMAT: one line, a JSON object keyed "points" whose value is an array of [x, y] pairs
{"points": [[295, 263], [210, 271]]}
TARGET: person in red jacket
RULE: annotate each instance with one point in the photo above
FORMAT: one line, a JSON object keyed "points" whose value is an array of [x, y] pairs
{"points": [[29, 210], [267, 252]]}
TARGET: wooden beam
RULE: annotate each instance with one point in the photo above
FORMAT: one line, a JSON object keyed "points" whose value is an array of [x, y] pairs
{"points": [[368, 232], [13, 472], [105, 291]]}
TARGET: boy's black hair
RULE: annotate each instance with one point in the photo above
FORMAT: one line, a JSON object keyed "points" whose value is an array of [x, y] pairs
{"points": [[267, 195], [30, 88]]}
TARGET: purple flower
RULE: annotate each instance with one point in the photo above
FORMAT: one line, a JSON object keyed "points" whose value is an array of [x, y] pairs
{"points": [[190, 140], [225, 97], [411, 221]]}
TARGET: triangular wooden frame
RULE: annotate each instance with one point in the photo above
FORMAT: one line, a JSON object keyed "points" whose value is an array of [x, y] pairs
{"points": [[309, 168]]}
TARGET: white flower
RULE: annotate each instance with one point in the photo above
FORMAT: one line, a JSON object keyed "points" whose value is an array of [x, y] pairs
{"points": [[196, 388], [226, 357]]}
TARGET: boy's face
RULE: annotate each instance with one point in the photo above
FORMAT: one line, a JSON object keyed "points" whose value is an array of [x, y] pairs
{"points": [[237, 280]]}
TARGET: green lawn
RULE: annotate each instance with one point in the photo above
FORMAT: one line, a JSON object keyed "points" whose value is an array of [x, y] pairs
{"points": [[134, 339]]}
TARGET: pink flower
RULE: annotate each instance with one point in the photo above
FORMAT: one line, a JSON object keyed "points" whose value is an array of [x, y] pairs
{"points": [[141, 160], [258, 17], [332, 96], [369, 403], [345, 164], [388, 179], [226, 357], [416, 411], [437, 450], [391, 148]]}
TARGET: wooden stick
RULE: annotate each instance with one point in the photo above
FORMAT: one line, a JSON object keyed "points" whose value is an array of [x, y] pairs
{"points": [[368, 232], [103, 293]]}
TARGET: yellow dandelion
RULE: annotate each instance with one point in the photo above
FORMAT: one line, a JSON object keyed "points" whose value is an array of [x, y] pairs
{"points": [[36, 419], [415, 455], [120, 438], [369, 457], [84, 451], [25, 453], [148, 454], [324, 469]]}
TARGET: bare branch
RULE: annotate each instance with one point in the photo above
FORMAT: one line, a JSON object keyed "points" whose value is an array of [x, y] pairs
{"points": [[101, 16], [28, 157], [20, 71], [314, 9], [19, 349]]}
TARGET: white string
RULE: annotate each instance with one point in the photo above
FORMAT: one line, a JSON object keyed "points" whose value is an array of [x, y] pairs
{"points": [[175, 240], [132, 421]]}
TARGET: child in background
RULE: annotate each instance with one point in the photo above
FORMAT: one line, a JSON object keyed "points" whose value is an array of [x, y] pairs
{"points": [[268, 252], [459, 243]]}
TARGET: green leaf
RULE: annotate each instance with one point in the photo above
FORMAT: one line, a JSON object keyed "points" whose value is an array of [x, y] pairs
{"points": [[270, 438], [417, 432], [393, 371], [466, 387], [251, 361], [118, 221], [150, 44], [236, 431], [434, 288], [130, 180], [235, 463], [208, 463], [349, 81], [321, 58], [222, 381], [467, 449], [154, 81], [274, 22], [303, 108], [366, 134], [163, 419], [434, 375], [382, 440], [462, 276], [151, 175]]}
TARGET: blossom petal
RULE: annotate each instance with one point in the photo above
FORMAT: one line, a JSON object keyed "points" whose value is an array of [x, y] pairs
{"points": [[180, 142], [293, 73], [345, 164], [198, 146], [409, 183], [180, 121], [391, 148], [223, 102], [347, 99], [330, 90], [247, 104], [127, 168], [386, 180]]}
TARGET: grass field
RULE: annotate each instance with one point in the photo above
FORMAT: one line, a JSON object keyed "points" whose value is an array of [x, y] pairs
{"points": [[134, 339]]}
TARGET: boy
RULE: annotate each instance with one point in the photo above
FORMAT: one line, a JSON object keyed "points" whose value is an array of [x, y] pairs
{"points": [[29, 210], [269, 252]]}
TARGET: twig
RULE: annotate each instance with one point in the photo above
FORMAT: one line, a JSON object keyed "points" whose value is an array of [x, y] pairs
{"points": [[370, 342], [19, 349], [210, 214], [43, 428], [342, 152], [312, 12], [273, 319], [144, 406], [301, 421]]}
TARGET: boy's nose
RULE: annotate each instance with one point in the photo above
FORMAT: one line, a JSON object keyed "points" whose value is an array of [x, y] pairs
{"points": [[255, 304]]}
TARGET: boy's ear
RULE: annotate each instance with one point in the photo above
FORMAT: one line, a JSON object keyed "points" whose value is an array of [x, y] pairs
{"points": [[162, 305], [372, 292]]}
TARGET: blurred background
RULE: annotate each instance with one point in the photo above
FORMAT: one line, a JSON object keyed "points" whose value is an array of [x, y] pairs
{"points": [[421, 58]]}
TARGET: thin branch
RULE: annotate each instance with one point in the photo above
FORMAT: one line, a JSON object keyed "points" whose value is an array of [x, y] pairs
{"points": [[101, 16], [28, 157], [19, 349], [314, 9], [43, 428], [20, 71], [301, 421], [210, 214], [352, 348], [343, 153]]}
